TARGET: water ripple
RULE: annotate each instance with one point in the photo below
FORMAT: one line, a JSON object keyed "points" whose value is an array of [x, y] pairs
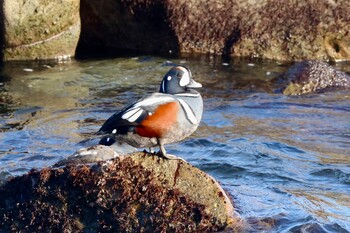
{"points": [[284, 159], [222, 169], [338, 174]]}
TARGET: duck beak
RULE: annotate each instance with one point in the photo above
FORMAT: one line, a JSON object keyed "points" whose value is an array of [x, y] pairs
{"points": [[194, 84]]}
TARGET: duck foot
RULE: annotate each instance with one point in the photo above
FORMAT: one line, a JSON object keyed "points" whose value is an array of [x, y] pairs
{"points": [[167, 156]]}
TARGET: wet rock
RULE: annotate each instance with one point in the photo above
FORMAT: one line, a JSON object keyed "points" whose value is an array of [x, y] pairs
{"points": [[40, 29], [282, 30], [5, 102], [136, 193], [314, 76], [91, 154]]}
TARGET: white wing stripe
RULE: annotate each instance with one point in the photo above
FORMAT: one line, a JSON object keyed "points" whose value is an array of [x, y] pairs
{"points": [[136, 115], [129, 113], [189, 113], [153, 100], [135, 112]]}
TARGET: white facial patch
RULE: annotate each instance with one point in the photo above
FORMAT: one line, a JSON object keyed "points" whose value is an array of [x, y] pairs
{"points": [[114, 131], [168, 78], [185, 79]]}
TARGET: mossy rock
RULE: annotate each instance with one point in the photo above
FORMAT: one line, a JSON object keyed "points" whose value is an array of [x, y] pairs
{"points": [[40, 29]]}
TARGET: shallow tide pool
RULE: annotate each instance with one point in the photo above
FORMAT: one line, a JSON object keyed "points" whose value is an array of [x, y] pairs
{"points": [[285, 160]]}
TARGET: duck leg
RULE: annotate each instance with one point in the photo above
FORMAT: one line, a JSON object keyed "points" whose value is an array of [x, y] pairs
{"points": [[162, 151]]}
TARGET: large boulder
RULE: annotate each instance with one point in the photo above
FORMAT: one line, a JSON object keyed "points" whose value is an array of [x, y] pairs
{"points": [[137, 193], [40, 29], [313, 76], [282, 30]]}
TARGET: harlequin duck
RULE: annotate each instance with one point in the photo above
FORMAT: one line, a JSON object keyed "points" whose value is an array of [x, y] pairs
{"points": [[165, 117]]}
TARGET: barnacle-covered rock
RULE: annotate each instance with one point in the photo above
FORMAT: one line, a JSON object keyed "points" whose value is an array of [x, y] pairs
{"points": [[136, 193], [313, 76], [282, 30]]}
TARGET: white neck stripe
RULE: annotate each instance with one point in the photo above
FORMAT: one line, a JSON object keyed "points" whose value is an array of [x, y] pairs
{"points": [[188, 94], [189, 112], [163, 88]]}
